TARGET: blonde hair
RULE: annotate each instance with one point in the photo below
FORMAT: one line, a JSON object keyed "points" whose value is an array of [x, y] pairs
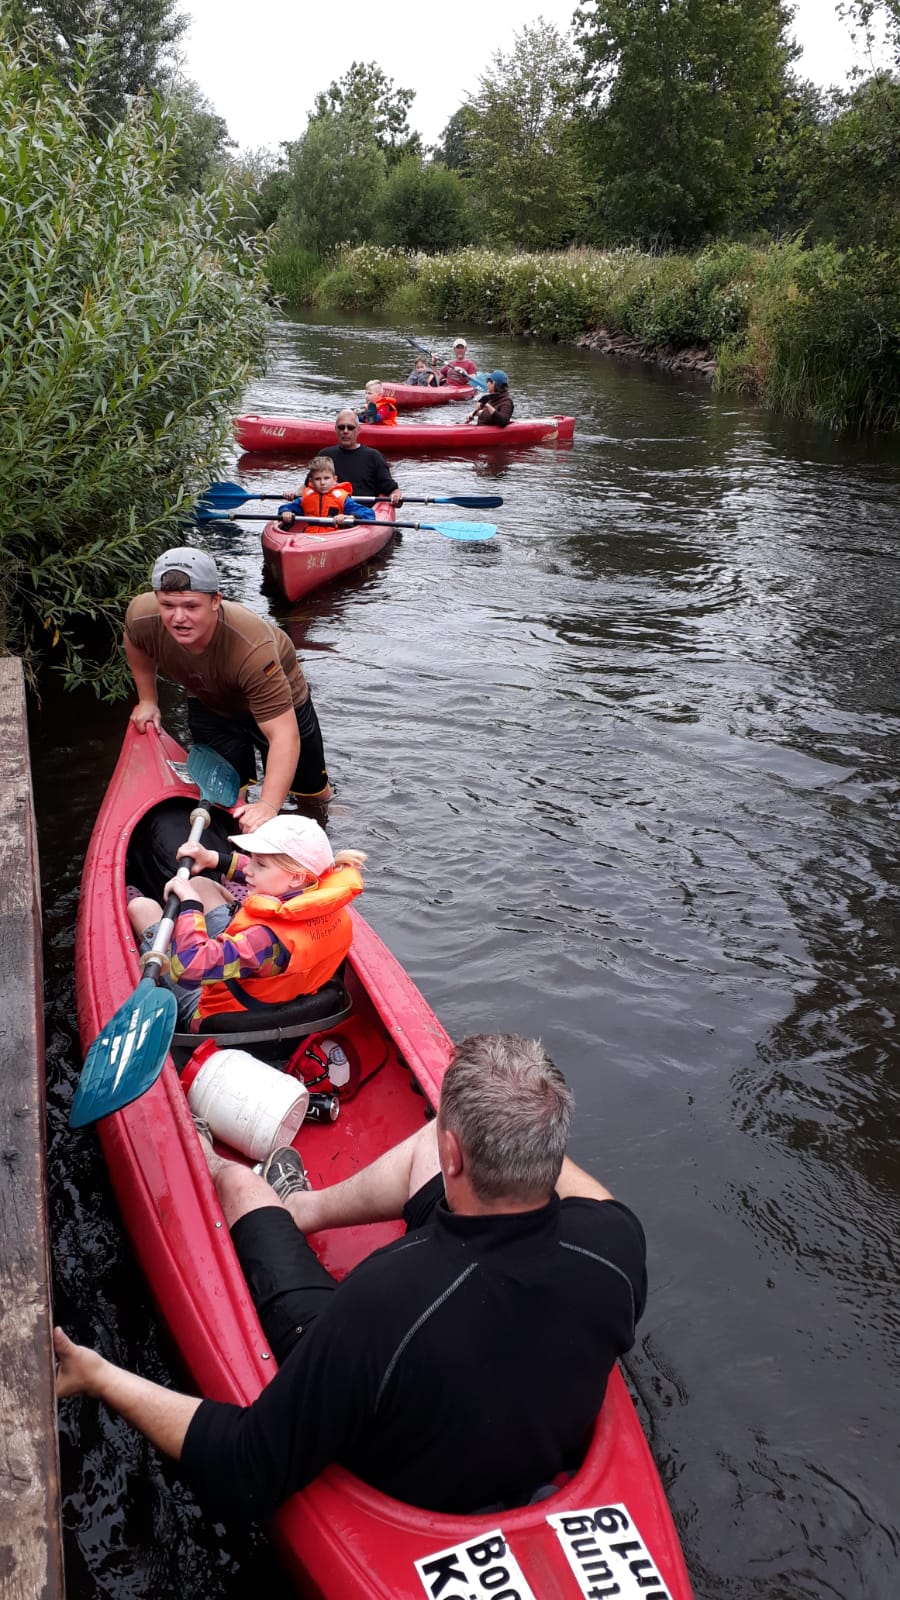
{"points": [[344, 858], [322, 464], [373, 385]]}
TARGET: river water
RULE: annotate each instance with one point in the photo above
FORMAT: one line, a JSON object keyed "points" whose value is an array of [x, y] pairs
{"points": [[628, 779]]}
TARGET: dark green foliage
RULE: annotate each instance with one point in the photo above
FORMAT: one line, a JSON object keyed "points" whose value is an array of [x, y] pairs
{"points": [[138, 39], [683, 98], [423, 208], [525, 162], [202, 143], [847, 179], [336, 175], [454, 149], [129, 331], [366, 95]]}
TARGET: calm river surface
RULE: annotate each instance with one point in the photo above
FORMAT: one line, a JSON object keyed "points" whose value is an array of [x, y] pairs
{"points": [[628, 779]]}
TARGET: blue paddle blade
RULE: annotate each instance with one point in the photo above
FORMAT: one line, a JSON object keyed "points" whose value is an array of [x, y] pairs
{"points": [[127, 1056], [462, 530], [478, 380], [215, 777], [226, 494]]}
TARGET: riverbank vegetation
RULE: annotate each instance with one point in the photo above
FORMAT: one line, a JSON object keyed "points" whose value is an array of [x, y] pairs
{"points": [[131, 319], [660, 171]]}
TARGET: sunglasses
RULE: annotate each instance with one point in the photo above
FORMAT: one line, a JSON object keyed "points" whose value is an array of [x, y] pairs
{"points": [[346, 427]]}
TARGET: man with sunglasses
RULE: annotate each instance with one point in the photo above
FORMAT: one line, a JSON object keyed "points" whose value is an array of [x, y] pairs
{"points": [[363, 468]]}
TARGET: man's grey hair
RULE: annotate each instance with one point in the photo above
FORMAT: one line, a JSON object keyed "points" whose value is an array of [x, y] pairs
{"points": [[511, 1110]]}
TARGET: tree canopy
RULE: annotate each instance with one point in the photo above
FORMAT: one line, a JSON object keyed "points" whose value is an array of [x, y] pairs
{"points": [[682, 102], [522, 143]]}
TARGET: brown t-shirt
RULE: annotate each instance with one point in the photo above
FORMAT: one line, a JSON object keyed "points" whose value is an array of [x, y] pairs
{"points": [[249, 665]]}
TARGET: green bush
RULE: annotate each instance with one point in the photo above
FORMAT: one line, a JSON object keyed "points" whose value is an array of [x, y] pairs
{"points": [[130, 326], [364, 278], [811, 332]]}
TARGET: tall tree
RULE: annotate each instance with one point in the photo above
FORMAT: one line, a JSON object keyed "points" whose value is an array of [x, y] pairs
{"points": [[336, 175], [523, 144], [683, 97], [367, 95]]}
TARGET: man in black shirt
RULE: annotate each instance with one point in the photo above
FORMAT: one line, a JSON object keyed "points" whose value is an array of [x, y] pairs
{"points": [[363, 468], [459, 1367]]}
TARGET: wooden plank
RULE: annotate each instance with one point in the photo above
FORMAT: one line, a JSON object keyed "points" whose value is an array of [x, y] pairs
{"points": [[30, 1532]]}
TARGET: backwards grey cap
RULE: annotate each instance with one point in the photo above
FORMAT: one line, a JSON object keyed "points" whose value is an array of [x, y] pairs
{"points": [[196, 564]]}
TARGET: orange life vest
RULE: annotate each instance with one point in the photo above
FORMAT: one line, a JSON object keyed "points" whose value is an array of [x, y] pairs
{"points": [[387, 411], [315, 926], [314, 504]]}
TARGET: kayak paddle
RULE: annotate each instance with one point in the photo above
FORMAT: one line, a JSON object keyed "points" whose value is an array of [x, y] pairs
{"points": [[229, 495], [129, 1053], [450, 530]]}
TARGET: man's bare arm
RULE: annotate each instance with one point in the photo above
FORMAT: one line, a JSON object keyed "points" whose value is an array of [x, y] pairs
{"points": [[161, 1414]]}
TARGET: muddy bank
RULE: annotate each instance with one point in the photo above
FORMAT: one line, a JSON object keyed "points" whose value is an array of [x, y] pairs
{"points": [[696, 358]]}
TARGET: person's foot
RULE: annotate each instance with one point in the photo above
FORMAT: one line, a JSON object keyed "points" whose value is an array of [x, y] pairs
{"points": [[285, 1173]]}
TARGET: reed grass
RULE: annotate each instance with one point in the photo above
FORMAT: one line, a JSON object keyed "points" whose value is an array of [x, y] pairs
{"points": [[813, 333]]}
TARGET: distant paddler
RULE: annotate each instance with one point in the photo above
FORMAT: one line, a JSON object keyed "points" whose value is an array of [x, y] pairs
{"points": [[495, 408]]}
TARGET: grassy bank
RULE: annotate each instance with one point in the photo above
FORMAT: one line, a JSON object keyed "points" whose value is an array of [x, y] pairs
{"points": [[811, 333]]}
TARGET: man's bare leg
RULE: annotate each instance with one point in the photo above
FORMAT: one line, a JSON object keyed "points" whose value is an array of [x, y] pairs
{"points": [[376, 1194]]}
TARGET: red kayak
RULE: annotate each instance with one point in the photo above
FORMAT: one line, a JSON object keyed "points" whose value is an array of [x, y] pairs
{"points": [[340, 1539], [291, 433], [410, 396], [301, 559]]}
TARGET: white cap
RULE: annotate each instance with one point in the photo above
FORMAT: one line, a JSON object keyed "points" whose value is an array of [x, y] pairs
{"points": [[298, 837], [460, 340]]}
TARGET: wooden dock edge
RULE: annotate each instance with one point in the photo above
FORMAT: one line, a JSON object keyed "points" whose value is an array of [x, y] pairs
{"points": [[31, 1566]]}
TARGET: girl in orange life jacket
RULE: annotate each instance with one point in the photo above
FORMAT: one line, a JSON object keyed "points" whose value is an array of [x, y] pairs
{"points": [[287, 938], [378, 407], [325, 497]]}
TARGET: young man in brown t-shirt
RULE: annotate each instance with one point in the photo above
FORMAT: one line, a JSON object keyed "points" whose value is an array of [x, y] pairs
{"points": [[246, 688]]}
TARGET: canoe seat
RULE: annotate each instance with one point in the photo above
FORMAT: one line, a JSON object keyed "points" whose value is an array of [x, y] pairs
{"points": [[309, 1013]]}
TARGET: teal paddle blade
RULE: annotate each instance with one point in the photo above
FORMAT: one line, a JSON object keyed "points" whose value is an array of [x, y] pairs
{"points": [[127, 1056], [215, 777], [478, 380], [461, 530]]}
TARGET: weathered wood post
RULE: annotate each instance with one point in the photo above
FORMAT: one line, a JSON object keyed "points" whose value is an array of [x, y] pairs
{"points": [[30, 1534]]}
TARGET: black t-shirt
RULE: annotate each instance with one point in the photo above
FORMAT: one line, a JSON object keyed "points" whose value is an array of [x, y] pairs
{"points": [[364, 469], [460, 1366]]}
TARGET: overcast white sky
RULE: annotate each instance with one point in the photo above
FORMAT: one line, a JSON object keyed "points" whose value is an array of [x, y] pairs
{"points": [[262, 64]]}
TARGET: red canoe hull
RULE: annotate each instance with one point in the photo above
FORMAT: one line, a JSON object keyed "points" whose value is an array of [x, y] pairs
{"points": [[292, 433], [299, 560], [411, 396], [340, 1539]]}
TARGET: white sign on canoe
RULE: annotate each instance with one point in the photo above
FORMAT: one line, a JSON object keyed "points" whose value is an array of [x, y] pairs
{"points": [[608, 1555], [480, 1569]]}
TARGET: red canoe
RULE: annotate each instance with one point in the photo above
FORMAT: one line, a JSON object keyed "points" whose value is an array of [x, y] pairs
{"points": [[301, 559], [340, 1539], [290, 433], [410, 396]]}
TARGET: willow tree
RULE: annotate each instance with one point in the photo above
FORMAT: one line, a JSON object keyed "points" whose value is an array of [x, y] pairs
{"points": [[130, 325]]}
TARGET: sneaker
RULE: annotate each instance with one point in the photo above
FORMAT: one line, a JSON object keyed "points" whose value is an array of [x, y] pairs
{"points": [[285, 1172], [204, 1131]]}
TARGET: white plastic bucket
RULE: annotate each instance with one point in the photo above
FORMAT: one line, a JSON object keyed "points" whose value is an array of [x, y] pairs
{"points": [[249, 1105]]}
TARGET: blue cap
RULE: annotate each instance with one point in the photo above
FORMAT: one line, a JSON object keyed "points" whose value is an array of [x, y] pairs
{"points": [[497, 378]]}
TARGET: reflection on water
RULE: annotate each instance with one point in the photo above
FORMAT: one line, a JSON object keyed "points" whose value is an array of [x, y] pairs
{"points": [[625, 775]]}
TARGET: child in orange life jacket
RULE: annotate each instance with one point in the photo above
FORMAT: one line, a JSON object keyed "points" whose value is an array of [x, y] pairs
{"points": [[378, 407], [287, 938], [325, 497]]}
